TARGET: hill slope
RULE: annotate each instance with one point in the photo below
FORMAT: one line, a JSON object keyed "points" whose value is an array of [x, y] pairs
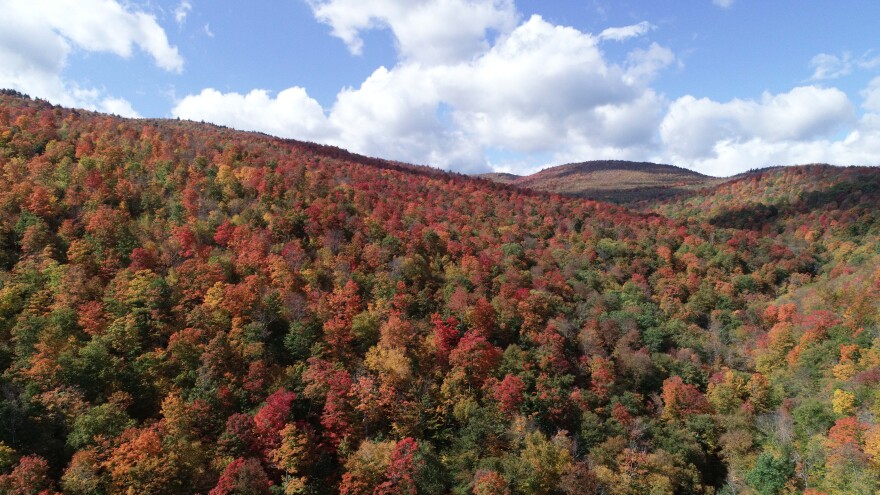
{"points": [[611, 180], [191, 309]]}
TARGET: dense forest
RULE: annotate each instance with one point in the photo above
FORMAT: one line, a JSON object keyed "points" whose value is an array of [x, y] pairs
{"points": [[190, 309]]}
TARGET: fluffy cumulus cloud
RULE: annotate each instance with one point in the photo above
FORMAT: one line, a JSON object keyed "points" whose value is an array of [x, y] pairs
{"points": [[427, 31], [39, 35], [478, 87], [539, 88], [545, 88], [397, 113], [292, 113], [534, 88], [693, 126], [808, 124]]}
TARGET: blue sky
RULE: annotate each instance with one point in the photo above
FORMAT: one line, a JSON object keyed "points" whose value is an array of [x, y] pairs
{"points": [[719, 86]]}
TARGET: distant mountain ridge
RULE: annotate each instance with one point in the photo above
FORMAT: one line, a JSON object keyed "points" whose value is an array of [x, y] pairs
{"points": [[617, 181]]}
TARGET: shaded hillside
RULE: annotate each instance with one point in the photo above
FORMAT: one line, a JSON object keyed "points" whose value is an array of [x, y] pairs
{"points": [[611, 180], [190, 309], [776, 196]]}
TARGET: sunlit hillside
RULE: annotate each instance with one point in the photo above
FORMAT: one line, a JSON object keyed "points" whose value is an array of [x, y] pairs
{"points": [[186, 308]]}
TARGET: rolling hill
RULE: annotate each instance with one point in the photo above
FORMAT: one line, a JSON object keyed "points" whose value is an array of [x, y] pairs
{"points": [[611, 180], [190, 309]]}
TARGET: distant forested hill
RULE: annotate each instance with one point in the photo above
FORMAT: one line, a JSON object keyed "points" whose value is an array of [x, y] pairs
{"points": [[617, 181]]}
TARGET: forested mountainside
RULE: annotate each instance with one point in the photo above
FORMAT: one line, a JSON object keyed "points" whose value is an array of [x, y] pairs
{"points": [[190, 309], [618, 181]]}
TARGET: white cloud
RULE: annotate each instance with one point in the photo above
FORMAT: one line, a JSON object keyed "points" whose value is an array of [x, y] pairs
{"points": [[827, 66], [859, 147], [292, 113], [394, 113], [31, 56], [472, 80], [429, 31], [724, 4], [868, 60], [39, 35], [539, 92], [103, 26], [804, 125], [182, 10], [539, 89], [643, 65], [118, 106], [625, 132], [692, 127], [626, 32], [631, 125], [520, 94], [871, 94]]}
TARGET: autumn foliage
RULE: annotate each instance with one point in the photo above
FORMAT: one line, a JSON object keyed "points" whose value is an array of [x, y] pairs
{"points": [[189, 309]]}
